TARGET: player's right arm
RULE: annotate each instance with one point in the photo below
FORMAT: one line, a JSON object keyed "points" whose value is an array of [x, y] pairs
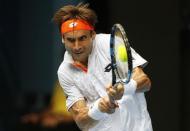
{"points": [[80, 112], [84, 116]]}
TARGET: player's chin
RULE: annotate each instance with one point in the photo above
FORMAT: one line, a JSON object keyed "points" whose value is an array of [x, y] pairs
{"points": [[79, 57]]}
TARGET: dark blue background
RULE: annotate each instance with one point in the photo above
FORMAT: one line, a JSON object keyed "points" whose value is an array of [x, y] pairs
{"points": [[31, 51]]}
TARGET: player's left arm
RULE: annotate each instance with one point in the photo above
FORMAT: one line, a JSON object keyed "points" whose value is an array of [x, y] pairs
{"points": [[142, 80]]}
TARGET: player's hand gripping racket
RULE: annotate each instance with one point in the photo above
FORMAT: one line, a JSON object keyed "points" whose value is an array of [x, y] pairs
{"points": [[121, 58]]}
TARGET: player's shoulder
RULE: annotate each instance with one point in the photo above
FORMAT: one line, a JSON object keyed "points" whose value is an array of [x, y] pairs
{"points": [[62, 67], [64, 70], [102, 40], [102, 36]]}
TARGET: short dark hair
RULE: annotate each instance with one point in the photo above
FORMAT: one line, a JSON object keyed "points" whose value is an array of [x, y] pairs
{"points": [[80, 11]]}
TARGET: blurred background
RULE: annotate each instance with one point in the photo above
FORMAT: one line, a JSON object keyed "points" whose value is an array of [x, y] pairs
{"points": [[31, 51]]}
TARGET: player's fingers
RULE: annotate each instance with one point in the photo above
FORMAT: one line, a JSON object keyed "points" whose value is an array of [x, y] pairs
{"points": [[110, 111], [102, 105], [117, 91], [108, 87], [112, 92], [105, 105], [120, 88], [108, 103]]}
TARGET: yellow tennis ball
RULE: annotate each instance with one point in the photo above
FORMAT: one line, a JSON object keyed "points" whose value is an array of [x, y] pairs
{"points": [[122, 53]]}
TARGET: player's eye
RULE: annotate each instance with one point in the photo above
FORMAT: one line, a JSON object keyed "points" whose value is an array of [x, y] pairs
{"points": [[83, 38], [72, 40]]}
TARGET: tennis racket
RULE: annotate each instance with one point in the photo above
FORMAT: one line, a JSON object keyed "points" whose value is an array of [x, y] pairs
{"points": [[121, 58]]}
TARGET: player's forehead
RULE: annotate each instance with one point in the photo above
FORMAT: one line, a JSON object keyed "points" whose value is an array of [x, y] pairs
{"points": [[77, 34]]}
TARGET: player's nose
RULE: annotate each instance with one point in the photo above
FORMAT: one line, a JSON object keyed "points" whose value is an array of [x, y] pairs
{"points": [[77, 48]]}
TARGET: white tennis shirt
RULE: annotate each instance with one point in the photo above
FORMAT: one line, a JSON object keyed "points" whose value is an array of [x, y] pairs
{"points": [[132, 114]]}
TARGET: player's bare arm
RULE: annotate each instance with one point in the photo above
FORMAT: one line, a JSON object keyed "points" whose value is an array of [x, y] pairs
{"points": [[143, 81], [80, 110], [138, 75], [115, 92]]}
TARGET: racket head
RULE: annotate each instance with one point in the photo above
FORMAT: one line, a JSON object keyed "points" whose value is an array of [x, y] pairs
{"points": [[121, 57]]}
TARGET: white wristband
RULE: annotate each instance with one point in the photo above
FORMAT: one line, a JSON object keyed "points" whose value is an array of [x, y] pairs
{"points": [[95, 113], [130, 88]]}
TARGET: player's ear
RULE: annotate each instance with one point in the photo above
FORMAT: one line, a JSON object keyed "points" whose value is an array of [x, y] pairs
{"points": [[62, 39], [93, 33]]}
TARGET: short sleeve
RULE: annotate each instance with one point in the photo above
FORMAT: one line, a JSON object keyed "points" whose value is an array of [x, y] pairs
{"points": [[137, 59], [102, 47], [72, 92], [103, 44]]}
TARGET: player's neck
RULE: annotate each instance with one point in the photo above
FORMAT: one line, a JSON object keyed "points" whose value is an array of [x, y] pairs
{"points": [[81, 66], [82, 63]]}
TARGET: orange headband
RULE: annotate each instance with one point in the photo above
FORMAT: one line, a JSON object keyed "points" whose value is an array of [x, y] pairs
{"points": [[75, 24]]}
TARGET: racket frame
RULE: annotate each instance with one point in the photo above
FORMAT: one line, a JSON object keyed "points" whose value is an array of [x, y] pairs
{"points": [[113, 57]]}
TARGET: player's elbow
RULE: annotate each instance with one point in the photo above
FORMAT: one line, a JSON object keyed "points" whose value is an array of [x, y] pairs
{"points": [[82, 119], [143, 83], [147, 83], [79, 121], [83, 123]]}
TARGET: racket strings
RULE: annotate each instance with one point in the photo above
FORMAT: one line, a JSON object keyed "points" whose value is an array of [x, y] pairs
{"points": [[121, 70]]}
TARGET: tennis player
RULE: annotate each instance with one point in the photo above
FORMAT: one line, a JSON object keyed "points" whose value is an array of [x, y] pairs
{"points": [[87, 86]]}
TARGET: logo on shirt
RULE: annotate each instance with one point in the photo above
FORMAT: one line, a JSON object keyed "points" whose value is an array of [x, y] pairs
{"points": [[108, 68]]}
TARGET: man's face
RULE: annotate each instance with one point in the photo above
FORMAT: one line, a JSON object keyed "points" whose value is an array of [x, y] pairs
{"points": [[79, 44]]}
